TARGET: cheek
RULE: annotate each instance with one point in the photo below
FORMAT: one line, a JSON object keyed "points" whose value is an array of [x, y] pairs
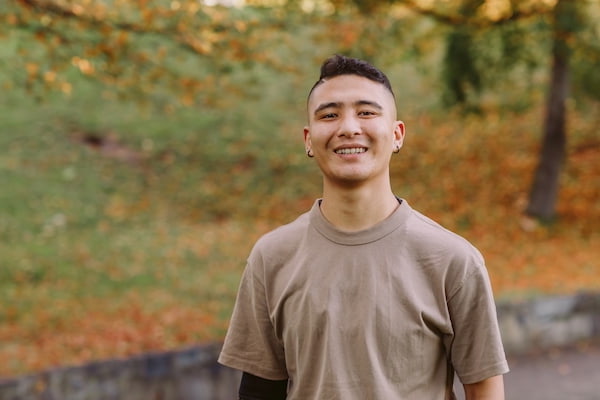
{"points": [[319, 139]]}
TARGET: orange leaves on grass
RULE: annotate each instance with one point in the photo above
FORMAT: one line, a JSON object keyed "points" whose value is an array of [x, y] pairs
{"points": [[524, 263], [96, 329]]}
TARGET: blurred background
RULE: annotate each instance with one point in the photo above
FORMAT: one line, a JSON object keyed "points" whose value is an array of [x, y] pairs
{"points": [[146, 144]]}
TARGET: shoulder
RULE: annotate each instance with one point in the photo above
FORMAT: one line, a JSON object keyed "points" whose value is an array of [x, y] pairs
{"points": [[428, 236], [281, 242], [442, 253]]}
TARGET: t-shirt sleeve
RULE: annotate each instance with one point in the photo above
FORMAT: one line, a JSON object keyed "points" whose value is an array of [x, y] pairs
{"points": [[251, 344], [476, 351]]}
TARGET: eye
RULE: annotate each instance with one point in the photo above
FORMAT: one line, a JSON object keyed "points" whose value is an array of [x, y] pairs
{"points": [[367, 113], [328, 116]]}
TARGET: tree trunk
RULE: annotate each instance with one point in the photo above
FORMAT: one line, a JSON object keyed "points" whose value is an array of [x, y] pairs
{"points": [[544, 192]]}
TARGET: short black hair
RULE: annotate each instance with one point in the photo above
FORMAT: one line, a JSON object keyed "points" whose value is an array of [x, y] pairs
{"points": [[341, 65]]}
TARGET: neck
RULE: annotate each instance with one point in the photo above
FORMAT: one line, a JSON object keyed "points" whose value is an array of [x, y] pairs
{"points": [[358, 208]]}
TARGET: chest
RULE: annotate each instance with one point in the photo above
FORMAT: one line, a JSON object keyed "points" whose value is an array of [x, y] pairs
{"points": [[352, 294]]}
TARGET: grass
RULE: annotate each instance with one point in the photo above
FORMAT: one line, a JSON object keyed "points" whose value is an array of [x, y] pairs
{"points": [[111, 251]]}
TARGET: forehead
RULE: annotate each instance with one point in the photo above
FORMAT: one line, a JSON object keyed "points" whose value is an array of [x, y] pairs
{"points": [[349, 89]]}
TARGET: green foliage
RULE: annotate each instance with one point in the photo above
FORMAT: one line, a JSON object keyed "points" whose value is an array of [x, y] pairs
{"points": [[490, 57], [587, 79], [586, 54], [137, 191], [508, 57], [460, 72], [142, 50]]}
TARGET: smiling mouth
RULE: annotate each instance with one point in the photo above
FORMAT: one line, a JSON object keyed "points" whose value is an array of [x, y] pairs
{"points": [[352, 150]]}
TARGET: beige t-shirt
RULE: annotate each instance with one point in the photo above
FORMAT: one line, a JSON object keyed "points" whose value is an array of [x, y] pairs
{"points": [[385, 313]]}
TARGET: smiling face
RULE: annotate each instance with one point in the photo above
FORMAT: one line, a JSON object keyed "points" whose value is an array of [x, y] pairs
{"points": [[352, 130]]}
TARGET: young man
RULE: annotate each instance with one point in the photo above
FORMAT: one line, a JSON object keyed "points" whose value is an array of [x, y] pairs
{"points": [[362, 297]]}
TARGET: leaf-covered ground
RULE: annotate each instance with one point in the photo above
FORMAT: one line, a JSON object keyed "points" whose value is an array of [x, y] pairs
{"points": [[126, 219], [143, 272]]}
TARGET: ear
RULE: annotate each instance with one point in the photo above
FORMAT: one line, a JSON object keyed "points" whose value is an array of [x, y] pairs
{"points": [[307, 141], [399, 132]]}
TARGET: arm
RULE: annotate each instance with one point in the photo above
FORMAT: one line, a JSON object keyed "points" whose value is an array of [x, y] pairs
{"points": [[487, 389], [253, 387], [476, 349]]}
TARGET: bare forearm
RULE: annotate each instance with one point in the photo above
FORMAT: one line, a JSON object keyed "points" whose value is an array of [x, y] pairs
{"points": [[488, 389]]}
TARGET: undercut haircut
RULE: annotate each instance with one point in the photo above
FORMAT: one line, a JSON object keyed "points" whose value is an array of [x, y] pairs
{"points": [[341, 65]]}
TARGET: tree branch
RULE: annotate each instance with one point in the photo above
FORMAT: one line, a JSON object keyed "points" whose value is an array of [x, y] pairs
{"points": [[476, 22], [56, 10]]}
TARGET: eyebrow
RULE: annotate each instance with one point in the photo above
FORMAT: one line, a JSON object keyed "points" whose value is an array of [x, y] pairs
{"points": [[335, 104]]}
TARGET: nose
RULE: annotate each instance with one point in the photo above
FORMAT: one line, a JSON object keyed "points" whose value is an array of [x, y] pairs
{"points": [[350, 126]]}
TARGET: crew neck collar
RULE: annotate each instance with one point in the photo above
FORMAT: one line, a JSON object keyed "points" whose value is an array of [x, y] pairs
{"points": [[372, 234]]}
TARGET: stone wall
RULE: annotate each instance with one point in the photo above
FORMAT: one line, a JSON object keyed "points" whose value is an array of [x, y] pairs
{"points": [[549, 321], [193, 373], [187, 374]]}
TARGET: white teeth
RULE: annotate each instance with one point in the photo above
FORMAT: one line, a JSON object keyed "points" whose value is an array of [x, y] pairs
{"points": [[353, 150]]}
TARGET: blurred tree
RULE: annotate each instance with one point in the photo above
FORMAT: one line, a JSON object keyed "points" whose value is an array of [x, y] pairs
{"points": [[571, 29], [136, 47], [100, 39], [567, 20]]}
